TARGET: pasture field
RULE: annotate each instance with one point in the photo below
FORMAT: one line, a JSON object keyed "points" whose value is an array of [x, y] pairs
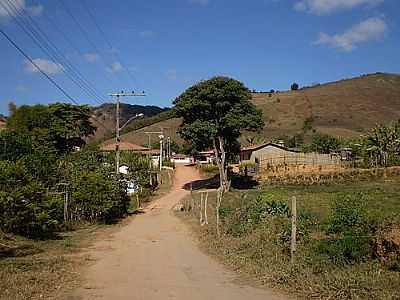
{"points": [[341, 230]]}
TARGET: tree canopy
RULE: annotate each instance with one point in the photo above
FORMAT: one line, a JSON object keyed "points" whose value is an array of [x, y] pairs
{"points": [[214, 114], [216, 108], [60, 126]]}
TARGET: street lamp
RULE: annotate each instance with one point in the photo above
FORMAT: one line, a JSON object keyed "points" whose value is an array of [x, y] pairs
{"points": [[117, 127], [161, 136], [118, 140]]}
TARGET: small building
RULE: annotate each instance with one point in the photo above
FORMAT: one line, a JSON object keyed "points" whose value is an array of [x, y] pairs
{"points": [[205, 157], [181, 159], [124, 146], [255, 152]]}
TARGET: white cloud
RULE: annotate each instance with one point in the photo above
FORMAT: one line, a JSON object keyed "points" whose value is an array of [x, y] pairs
{"points": [[91, 57], [200, 2], [368, 30], [147, 34], [10, 8], [171, 74], [326, 7], [22, 88], [115, 67], [45, 65]]}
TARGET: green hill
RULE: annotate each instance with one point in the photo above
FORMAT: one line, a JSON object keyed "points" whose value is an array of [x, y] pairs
{"points": [[345, 108]]}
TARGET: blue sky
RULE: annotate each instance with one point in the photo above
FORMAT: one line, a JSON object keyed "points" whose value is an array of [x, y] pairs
{"points": [[167, 45]]}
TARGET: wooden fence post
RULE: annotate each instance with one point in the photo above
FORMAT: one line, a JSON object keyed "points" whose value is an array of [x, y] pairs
{"points": [[190, 201], [219, 196], [294, 229], [201, 208], [205, 209]]}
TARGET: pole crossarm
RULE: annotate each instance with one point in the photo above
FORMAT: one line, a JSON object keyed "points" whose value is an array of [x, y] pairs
{"points": [[127, 95]]}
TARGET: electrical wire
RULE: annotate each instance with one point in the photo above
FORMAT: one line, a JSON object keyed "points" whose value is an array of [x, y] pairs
{"points": [[86, 36], [42, 41], [52, 81], [103, 34]]}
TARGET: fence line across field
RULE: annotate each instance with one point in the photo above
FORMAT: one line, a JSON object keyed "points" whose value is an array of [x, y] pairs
{"points": [[312, 159]]}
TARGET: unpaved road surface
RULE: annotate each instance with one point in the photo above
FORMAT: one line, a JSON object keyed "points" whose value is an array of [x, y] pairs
{"points": [[155, 257]]}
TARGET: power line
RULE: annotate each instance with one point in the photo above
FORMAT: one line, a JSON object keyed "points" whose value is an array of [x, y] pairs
{"points": [[37, 67], [70, 43], [43, 42], [53, 82], [85, 35], [97, 25]]}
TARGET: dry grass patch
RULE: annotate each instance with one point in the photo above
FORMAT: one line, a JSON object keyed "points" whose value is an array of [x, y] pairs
{"points": [[323, 269]]}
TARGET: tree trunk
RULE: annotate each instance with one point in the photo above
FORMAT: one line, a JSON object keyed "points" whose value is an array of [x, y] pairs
{"points": [[224, 183], [220, 155], [219, 164]]}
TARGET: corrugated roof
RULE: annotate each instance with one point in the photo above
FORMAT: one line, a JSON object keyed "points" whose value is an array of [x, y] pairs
{"points": [[257, 147], [124, 146]]}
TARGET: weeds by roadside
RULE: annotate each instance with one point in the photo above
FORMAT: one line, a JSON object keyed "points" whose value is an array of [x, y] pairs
{"points": [[50, 269], [340, 230]]}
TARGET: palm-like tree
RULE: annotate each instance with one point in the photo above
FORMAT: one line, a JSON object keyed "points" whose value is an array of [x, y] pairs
{"points": [[383, 143], [252, 140]]}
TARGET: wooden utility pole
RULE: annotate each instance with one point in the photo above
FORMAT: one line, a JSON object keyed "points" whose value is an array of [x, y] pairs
{"points": [[294, 229], [117, 127]]}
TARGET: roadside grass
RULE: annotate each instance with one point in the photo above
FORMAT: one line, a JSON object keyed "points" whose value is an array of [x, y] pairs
{"points": [[51, 269], [44, 269], [262, 250]]}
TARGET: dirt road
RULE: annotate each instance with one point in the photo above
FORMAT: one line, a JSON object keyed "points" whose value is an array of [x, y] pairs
{"points": [[155, 257]]}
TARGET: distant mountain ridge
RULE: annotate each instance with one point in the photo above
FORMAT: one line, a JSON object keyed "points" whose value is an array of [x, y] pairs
{"points": [[105, 114], [345, 108]]}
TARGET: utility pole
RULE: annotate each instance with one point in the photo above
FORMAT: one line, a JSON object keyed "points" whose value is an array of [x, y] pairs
{"points": [[117, 127]]}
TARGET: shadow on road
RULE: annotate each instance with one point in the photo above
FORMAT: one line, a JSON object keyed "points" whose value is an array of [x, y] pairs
{"points": [[238, 182]]}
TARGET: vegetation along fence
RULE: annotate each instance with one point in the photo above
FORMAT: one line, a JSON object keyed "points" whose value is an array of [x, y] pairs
{"points": [[300, 163]]}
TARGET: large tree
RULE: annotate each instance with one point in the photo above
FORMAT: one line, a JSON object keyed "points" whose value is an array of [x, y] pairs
{"points": [[214, 114], [60, 126]]}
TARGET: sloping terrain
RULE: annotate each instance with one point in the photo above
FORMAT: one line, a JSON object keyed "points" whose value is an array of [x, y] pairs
{"points": [[105, 114], [344, 108], [140, 137], [3, 122]]}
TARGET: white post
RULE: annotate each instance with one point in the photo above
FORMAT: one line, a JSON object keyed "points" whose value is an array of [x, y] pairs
{"points": [[205, 209], [161, 150], [201, 208], [117, 139]]}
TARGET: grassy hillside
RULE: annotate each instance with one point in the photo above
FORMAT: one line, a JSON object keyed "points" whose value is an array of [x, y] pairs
{"points": [[105, 114], [344, 108]]}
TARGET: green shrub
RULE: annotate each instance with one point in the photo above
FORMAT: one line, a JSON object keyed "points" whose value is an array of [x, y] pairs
{"points": [[349, 214], [25, 207], [253, 212], [349, 231], [168, 163], [346, 249], [209, 168], [97, 196]]}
